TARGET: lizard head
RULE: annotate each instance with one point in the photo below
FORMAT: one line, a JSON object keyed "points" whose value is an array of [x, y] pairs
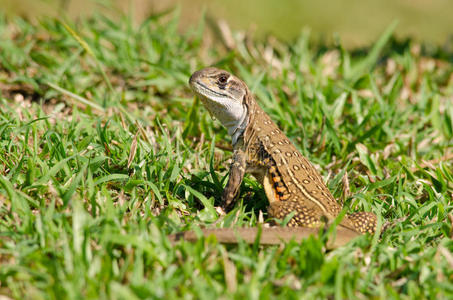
{"points": [[224, 96]]}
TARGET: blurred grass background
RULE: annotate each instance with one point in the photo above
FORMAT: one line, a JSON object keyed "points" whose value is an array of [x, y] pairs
{"points": [[357, 23]]}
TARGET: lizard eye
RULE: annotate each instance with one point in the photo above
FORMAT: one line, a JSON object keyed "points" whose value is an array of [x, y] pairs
{"points": [[223, 78]]}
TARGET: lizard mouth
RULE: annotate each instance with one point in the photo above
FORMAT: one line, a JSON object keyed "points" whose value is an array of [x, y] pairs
{"points": [[205, 91]]}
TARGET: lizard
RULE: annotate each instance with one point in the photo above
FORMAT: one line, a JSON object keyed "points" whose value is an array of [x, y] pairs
{"points": [[291, 183]]}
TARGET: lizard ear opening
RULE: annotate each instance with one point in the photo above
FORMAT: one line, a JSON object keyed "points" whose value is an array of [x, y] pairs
{"points": [[246, 98]]}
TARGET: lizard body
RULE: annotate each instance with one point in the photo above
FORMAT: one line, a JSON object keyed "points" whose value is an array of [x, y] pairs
{"points": [[290, 182]]}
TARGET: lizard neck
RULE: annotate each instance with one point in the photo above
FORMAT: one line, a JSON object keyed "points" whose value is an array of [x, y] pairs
{"points": [[237, 130], [233, 115]]}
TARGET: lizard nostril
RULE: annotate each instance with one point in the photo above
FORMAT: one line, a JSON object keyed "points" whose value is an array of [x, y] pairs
{"points": [[194, 77]]}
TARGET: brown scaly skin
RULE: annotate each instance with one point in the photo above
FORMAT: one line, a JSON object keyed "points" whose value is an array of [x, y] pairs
{"points": [[290, 182]]}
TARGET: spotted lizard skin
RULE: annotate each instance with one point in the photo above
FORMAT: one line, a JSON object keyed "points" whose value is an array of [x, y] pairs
{"points": [[290, 181]]}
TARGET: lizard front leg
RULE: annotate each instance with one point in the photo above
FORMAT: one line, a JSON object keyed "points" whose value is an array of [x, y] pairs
{"points": [[237, 171]]}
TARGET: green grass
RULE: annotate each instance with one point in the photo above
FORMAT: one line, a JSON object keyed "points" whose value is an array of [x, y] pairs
{"points": [[105, 151]]}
